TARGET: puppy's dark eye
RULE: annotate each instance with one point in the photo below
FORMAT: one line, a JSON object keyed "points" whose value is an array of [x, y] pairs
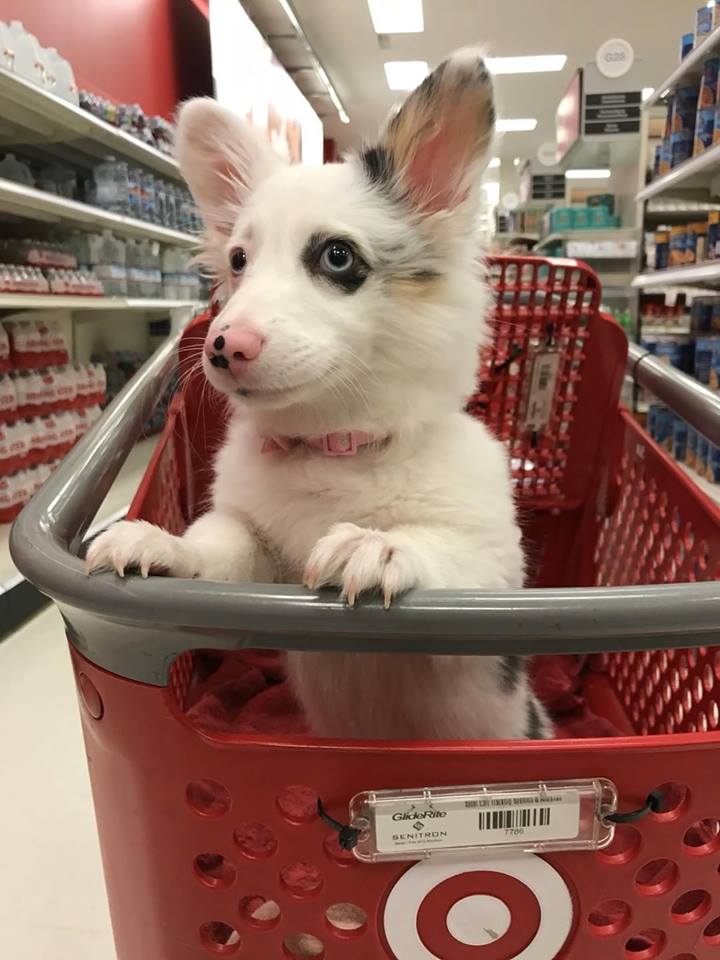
{"points": [[238, 259], [337, 258]]}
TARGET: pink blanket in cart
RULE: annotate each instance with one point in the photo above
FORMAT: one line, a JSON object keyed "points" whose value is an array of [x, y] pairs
{"points": [[247, 692]]}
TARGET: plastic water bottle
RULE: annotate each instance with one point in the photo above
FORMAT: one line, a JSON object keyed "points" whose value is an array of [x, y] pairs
{"points": [[112, 185], [134, 269], [135, 192], [12, 169], [149, 204], [112, 269]]}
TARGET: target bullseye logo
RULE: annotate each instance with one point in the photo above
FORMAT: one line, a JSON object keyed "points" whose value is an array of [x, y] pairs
{"points": [[497, 908]]}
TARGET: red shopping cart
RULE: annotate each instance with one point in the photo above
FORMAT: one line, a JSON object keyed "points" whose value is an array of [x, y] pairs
{"points": [[212, 842]]}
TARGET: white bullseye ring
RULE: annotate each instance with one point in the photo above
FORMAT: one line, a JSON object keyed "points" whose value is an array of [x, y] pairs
{"points": [[466, 919], [479, 920]]}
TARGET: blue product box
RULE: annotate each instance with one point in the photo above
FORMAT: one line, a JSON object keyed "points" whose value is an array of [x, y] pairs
{"points": [[679, 440], [581, 218], [561, 218], [664, 427], [701, 454], [713, 464], [675, 352], [683, 124], [707, 362], [701, 314], [651, 420]]}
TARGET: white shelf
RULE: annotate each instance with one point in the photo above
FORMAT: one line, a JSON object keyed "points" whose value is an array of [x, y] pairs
{"points": [[27, 202], [690, 68], [593, 235], [692, 174], [515, 235], [712, 490], [677, 211], [659, 331], [33, 116], [36, 301], [702, 274], [114, 506]]}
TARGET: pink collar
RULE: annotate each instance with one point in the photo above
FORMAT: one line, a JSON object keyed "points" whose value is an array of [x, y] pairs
{"points": [[339, 444]]}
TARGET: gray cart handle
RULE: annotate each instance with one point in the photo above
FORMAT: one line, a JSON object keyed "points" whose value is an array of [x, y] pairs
{"points": [[168, 616]]}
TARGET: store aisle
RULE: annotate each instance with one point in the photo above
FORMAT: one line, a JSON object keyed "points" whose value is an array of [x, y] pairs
{"points": [[52, 897]]}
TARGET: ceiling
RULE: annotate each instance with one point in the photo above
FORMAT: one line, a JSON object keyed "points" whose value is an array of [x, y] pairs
{"points": [[341, 33]]}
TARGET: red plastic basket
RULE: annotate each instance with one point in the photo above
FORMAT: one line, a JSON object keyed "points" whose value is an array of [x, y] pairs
{"points": [[212, 844]]}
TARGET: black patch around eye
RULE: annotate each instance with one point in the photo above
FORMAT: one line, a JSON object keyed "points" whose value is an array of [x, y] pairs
{"points": [[348, 282]]}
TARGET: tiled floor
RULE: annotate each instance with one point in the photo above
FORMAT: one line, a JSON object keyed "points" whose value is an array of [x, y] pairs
{"points": [[52, 895]]}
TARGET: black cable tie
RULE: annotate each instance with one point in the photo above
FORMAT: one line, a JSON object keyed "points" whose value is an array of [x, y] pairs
{"points": [[515, 351], [347, 836], [653, 804]]}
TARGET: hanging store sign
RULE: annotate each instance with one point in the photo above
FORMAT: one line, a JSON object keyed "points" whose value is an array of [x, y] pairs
{"points": [[610, 113]]}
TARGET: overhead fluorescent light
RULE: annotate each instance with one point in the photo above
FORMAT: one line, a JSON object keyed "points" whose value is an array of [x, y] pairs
{"points": [[647, 92], [332, 93], [290, 14], [406, 74], [317, 66], [515, 124], [495, 162], [516, 162], [547, 63], [600, 174], [397, 16]]}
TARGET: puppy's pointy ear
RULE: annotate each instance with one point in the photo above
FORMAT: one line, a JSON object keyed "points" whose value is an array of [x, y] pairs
{"points": [[436, 145], [222, 158]]}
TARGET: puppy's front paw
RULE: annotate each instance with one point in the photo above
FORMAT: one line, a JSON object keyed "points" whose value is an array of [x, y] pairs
{"points": [[359, 560], [139, 545]]}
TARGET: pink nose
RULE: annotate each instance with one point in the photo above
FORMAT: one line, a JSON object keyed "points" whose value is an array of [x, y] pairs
{"points": [[232, 349]]}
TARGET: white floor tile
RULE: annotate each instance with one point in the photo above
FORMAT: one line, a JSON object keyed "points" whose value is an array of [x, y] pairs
{"points": [[52, 896]]}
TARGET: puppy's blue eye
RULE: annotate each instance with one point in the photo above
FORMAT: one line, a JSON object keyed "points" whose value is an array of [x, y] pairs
{"points": [[337, 258], [238, 259]]}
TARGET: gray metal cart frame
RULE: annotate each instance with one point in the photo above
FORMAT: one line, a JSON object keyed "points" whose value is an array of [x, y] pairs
{"points": [[136, 628]]}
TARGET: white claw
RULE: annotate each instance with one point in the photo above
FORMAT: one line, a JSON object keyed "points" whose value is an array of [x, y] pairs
{"points": [[118, 563]]}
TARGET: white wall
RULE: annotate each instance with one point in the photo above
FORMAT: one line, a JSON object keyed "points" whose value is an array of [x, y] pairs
{"points": [[249, 79]]}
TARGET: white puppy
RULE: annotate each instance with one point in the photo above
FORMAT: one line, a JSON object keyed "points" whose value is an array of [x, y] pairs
{"points": [[347, 347]]}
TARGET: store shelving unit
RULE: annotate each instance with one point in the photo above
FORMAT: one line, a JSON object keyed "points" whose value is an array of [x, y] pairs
{"points": [[688, 192], [706, 274], [41, 125], [711, 490], [591, 235], [34, 301], [18, 598], [690, 68], [695, 174], [672, 211], [19, 200], [33, 116]]}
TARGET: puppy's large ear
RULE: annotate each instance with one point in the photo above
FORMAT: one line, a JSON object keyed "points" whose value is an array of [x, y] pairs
{"points": [[435, 147], [222, 158]]}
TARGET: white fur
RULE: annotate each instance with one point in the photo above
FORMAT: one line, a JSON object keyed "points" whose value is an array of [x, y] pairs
{"points": [[429, 507]]}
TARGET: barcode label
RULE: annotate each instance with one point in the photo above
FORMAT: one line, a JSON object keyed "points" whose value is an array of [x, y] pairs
{"points": [[541, 391], [487, 819], [515, 819]]}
